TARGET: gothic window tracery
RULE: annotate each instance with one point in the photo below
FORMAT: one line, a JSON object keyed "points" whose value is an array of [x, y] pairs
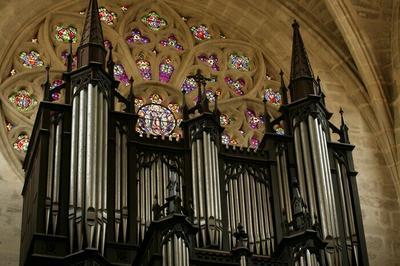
{"points": [[158, 47]]}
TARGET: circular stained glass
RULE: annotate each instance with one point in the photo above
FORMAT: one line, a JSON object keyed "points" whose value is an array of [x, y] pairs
{"points": [[156, 120]]}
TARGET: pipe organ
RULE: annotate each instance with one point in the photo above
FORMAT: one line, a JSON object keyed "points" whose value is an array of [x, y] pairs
{"points": [[97, 192]]}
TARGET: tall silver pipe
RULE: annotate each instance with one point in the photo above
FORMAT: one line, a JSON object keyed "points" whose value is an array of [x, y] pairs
{"points": [[299, 158], [280, 181], [164, 255], [310, 196], [99, 176], [233, 209], [170, 252], [342, 199], [105, 174], [142, 204], [81, 166], [261, 219], [117, 182], [330, 182], [50, 169], [90, 165], [74, 168], [250, 221], [255, 213], [286, 188], [57, 172], [265, 213], [315, 146]]}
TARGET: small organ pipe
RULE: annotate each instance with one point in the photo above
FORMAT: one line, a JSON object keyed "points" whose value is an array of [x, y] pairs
{"points": [[310, 196], [287, 190], [57, 172], [117, 182], [50, 168], [99, 176], [74, 169], [105, 167], [299, 158], [315, 142], [255, 215]]}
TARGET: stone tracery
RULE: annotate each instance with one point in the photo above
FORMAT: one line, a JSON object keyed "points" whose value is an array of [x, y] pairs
{"points": [[159, 48]]}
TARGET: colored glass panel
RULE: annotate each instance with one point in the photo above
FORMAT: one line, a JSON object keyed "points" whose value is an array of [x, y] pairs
{"points": [[21, 143], [56, 95], [253, 120], [137, 37], [254, 142], [174, 107], [156, 119], [139, 102], [189, 85], [239, 62], [144, 68], [22, 100], [107, 44], [120, 74], [279, 130], [272, 96], [211, 61], [109, 17], [154, 21], [236, 85], [9, 126], [66, 33], [172, 41], [224, 120], [156, 99], [165, 71], [200, 32], [31, 59]]}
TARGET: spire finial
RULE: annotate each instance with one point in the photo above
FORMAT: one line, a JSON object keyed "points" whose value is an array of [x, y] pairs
{"points": [[91, 48], [283, 90], [301, 74], [70, 57], [344, 138], [110, 62], [46, 84]]}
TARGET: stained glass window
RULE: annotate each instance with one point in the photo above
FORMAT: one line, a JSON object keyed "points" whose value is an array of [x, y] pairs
{"points": [[253, 120], [137, 37], [109, 17], [189, 85], [156, 120], [227, 140], [254, 142], [156, 99], [165, 71], [200, 32], [107, 44], [22, 142], [224, 120], [272, 96], [279, 130], [22, 100], [239, 62], [9, 126], [211, 60], [120, 74], [66, 33], [144, 68], [172, 41], [154, 21], [236, 85], [139, 102], [174, 107], [31, 59], [55, 95]]}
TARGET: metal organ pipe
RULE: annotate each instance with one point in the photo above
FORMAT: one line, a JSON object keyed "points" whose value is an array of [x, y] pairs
{"points": [[175, 252], [50, 168], [57, 172], [117, 182], [88, 179]]}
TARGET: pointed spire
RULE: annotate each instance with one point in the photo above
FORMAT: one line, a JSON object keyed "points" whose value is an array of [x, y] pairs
{"points": [[110, 62], [283, 90], [344, 138], [301, 75], [70, 57], [91, 48], [46, 85], [131, 97]]}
